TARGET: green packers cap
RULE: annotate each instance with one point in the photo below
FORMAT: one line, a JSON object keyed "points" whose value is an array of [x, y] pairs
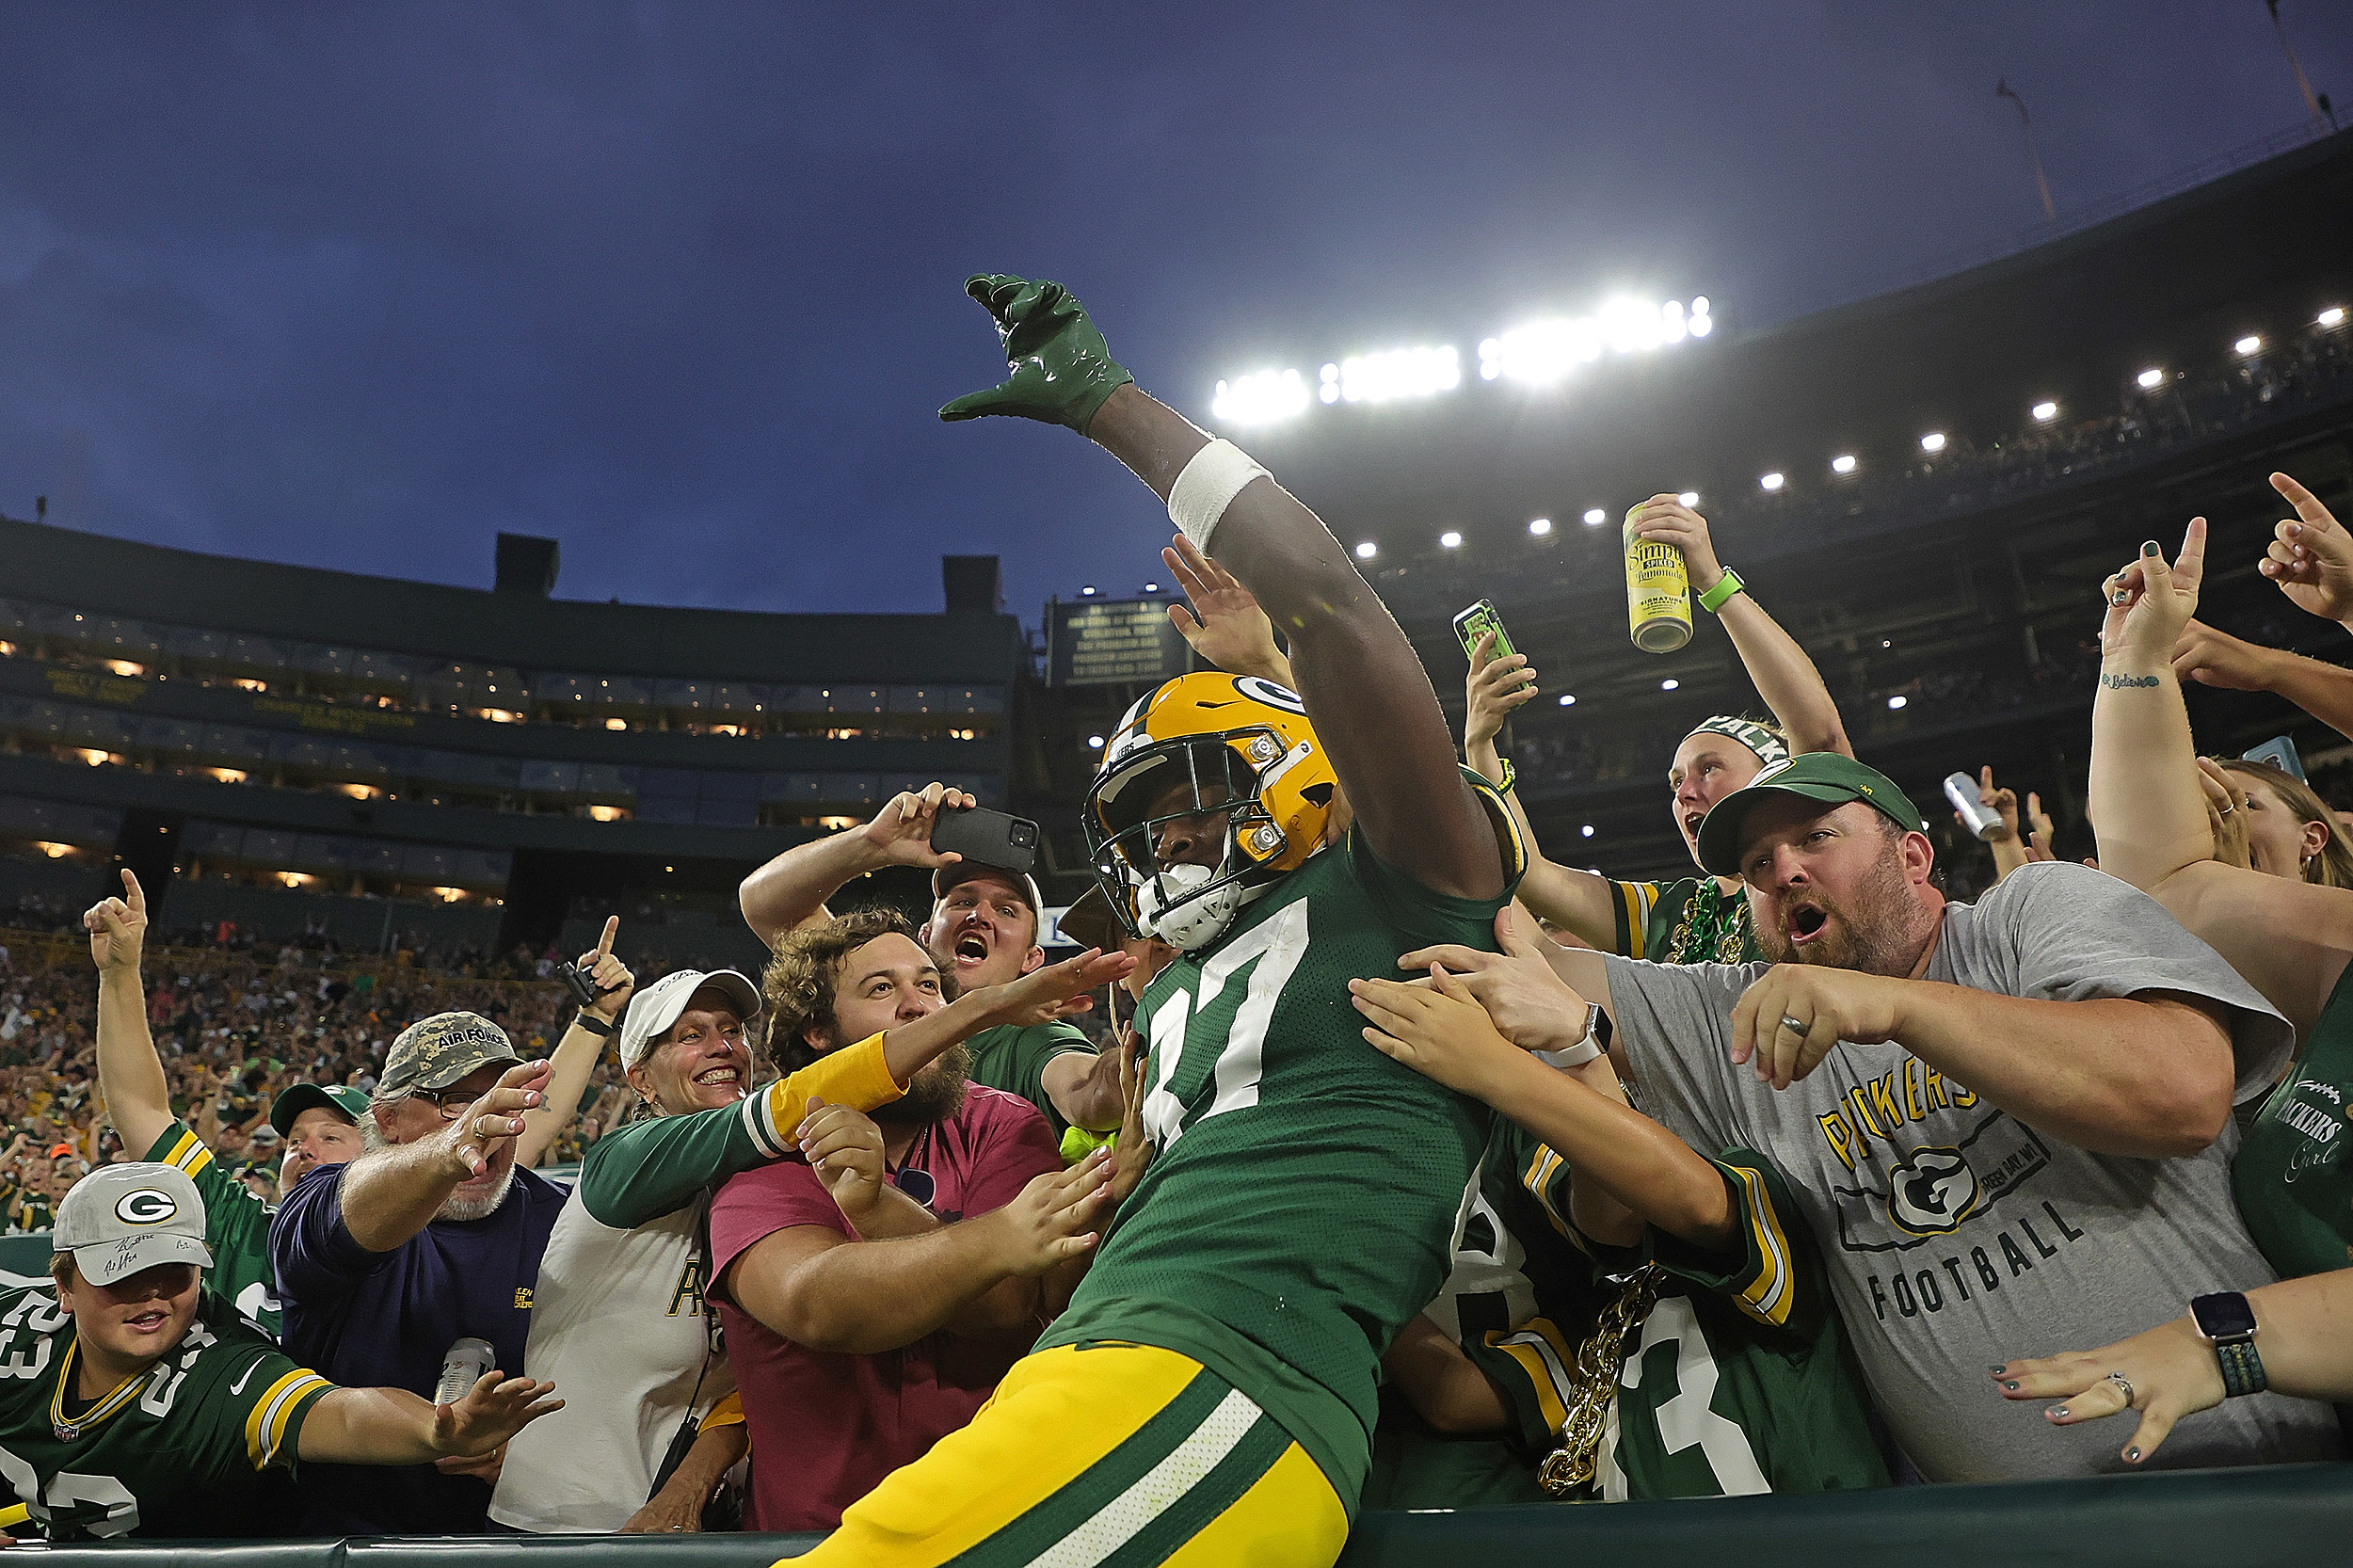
{"points": [[342, 1099], [120, 1218], [436, 1053], [1818, 776]]}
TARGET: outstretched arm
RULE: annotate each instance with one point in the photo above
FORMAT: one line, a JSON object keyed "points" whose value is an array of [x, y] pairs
{"points": [[392, 1426], [130, 1074], [1363, 687], [577, 1052], [1579, 900], [791, 891], [1784, 677]]}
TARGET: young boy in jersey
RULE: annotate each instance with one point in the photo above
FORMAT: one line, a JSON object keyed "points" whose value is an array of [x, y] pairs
{"points": [[1209, 1395], [139, 1403], [1700, 1286]]}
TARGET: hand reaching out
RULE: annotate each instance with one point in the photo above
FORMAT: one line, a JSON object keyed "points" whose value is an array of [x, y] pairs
{"points": [[845, 1148], [1132, 1153], [494, 1409], [1492, 689], [1055, 990], [2214, 658], [2311, 557], [1226, 626], [1044, 1227]]}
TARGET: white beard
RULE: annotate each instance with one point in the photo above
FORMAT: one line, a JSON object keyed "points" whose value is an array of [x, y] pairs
{"points": [[480, 1207]]}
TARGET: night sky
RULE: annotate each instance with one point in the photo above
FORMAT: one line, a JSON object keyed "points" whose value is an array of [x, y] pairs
{"points": [[359, 285]]}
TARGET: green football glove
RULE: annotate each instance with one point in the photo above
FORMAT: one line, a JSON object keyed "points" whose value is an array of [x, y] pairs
{"points": [[1062, 369]]}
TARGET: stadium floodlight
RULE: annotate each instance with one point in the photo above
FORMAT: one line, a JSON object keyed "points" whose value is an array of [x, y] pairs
{"points": [[1595, 517], [2151, 380], [1450, 539], [1151, 587], [1587, 830], [1542, 352], [1896, 702], [2248, 345], [1087, 592], [1689, 498], [1095, 743], [1262, 397], [1366, 550], [1400, 373], [1540, 526], [1669, 684], [1843, 463], [1330, 389], [1702, 323], [2046, 411], [1568, 699], [1933, 441], [2332, 316], [1772, 481]]}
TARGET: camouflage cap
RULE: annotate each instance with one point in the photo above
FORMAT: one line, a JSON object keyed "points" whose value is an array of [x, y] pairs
{"points": [[436, 1053]]}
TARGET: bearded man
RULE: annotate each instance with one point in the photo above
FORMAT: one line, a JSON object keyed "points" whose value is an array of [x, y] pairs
{"points": [[430, 1237], [863, 1327]]}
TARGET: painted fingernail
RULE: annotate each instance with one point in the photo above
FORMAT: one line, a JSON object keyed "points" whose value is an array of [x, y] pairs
{"points": [[1999, 1367], [2133, 1455], [2012, 1384], [2059, 1413], [2150, 547]]}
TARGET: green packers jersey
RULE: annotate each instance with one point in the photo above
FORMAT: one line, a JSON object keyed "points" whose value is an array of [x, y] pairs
{"points": [[236, 1227], [1013, 1058], [2293, 1175], [1741, 1380], [35, 1212], [1298, 1207], [1689, 922], [182, 1452]]}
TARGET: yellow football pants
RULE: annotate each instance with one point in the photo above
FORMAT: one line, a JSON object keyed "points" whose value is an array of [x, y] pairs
{"points": [[1108, 1453]]}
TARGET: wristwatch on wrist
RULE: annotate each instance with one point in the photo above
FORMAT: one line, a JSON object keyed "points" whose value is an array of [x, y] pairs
{"points": [[2226, 1322], [1716, 598], [1584, 1049], [593, 1024]]}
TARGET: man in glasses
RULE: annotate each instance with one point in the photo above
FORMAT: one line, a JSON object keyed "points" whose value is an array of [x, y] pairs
{"points": [[431, 1237]]}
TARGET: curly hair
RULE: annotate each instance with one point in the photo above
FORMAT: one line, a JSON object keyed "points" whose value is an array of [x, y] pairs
{"points": [[799, 980]]}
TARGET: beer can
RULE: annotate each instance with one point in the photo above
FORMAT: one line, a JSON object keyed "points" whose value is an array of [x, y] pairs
{"points": [[1658, 592], [461, 1368], [1983, 820]]}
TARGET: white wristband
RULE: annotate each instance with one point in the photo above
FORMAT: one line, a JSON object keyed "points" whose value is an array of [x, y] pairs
{"points": [[1210, 480], [1579, 1054]]}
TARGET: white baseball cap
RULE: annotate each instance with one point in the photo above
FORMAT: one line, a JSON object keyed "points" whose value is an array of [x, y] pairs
{"points": [[654, 1009], [120, 1218]]}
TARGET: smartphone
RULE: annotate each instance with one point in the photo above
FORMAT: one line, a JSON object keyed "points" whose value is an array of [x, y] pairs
{"points": [[2280, 753], [1475, 623], [987, 838]]}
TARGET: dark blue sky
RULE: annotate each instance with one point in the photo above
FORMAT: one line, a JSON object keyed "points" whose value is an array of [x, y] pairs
{"points": [[357, 285]]}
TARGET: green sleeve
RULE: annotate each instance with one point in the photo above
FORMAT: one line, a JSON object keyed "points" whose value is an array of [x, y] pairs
{"points": [[644, 1170], [1772, 1273], [1426, 917], [254, 1394], [236, 1223], [1014, 1060], [1535, 1366], [1631, 905]]}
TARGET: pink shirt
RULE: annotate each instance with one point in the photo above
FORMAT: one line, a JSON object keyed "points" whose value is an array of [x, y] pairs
{"points": [[826, 1426]]}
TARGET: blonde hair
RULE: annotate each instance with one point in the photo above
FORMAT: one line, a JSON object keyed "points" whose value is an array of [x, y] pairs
{"points": [[2332, 867]]}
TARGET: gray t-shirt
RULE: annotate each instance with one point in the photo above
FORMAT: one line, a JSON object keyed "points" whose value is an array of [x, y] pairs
{"points": [[1956, 1236]]}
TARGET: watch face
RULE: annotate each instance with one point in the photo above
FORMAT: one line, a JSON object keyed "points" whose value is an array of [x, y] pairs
{"points": [[2223, 1317]]}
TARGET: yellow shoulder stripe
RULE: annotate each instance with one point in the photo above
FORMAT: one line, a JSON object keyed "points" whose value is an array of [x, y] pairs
{"points": [[188, 1154], [1545, 1360], [1767, 1297]]}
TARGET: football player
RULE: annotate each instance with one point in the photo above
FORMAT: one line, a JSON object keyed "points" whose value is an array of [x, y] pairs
{"points": [[1208, 1395]]}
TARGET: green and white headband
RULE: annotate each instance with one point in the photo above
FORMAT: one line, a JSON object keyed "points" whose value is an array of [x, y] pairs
{"points": [[1769, 747]]}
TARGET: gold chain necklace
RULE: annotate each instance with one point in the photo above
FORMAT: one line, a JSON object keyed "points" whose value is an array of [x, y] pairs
{"points": [[1599, 1359]]}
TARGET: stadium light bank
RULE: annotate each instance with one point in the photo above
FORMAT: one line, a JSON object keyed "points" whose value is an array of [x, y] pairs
{"points": [[1540, 353]]}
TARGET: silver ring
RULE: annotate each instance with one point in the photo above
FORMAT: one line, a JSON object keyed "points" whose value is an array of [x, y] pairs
{"points": [[2226, 809], [2120, 597], [2123, 1385], [1796, 1028]]}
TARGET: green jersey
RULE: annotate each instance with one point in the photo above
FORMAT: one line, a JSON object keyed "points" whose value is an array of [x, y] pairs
{"points": [[180, 1451], [1741, 1380], [1689, 922], [1298, 1209], [1013, 1058], [2293, 1175], [236, 1226], [34, 1212]]}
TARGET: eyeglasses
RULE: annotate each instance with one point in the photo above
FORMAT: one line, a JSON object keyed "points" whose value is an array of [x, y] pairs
{"points": [[450, 1103]]}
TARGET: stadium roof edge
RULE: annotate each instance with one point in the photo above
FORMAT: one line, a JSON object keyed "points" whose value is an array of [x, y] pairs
{"points": [[172, 586]]}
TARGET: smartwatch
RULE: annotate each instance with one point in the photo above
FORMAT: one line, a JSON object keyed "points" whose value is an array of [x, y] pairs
{"points": [[2226, 1322], [1718, 597], [1585, 1050]]}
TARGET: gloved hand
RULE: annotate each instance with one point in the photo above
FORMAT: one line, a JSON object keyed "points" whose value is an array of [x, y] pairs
{"points": [[1062, 369]]}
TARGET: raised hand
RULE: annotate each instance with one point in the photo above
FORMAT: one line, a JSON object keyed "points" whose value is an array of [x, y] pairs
{"points": [[902, 831], [610, 977], [1062, 370], [1794, 1014], [2214, 658], [494, 1409], [1045, 1226], [2003, 799], [1131, 1155], [1224, 625], [2151, 603], [1492, 689], [469, 1141], [845, 1148], [2038, 829], [1665, 518], [118, 927], [2311, 557], [1055, 990]]}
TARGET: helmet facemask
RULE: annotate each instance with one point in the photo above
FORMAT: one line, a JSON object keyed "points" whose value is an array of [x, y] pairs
{"points": [[1185, 903]]}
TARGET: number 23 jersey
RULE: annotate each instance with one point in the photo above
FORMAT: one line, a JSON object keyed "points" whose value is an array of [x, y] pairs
{"points": [[180, 1451], [1301, 1202]]}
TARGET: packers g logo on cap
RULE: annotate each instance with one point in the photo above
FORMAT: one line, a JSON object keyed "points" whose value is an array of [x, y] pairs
{"points": [[148, 1205]]}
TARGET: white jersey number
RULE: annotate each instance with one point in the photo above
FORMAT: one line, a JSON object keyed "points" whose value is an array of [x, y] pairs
{"points": [[99, 1505], [1278, 944]]}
